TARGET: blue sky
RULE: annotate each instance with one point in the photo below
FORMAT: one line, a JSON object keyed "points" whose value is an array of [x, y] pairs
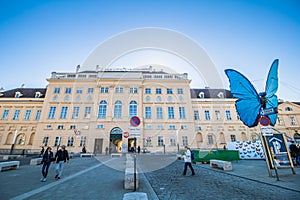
{"points": [[39, 37]]}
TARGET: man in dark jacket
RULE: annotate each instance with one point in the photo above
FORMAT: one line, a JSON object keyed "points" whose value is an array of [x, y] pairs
{"points": [[61, 157], [295, 152]]}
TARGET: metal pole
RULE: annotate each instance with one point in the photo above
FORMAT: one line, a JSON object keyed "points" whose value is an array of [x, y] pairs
{"points": [[134, 173]]}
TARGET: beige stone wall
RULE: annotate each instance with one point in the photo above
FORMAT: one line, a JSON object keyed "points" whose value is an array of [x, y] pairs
{"points": [[204, 134]]}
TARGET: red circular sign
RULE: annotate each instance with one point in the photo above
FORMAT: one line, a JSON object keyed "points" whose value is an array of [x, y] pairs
{"points": [[126, 134], [135, 121], [264, 121]]}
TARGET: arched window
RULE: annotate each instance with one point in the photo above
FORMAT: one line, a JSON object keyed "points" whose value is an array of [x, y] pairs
{"points": [[78, 98], [132, 109], [67, 98], [201, 95], [9, 138], [102, 109], [158, 99], [31, 138], [222, 138], [55, 98], [21, 139], [148, 98], [118, 109]]}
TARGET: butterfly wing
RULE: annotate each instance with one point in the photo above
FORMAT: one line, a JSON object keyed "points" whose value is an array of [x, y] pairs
{"points": [[248, 103], [272, 80], [271, 89]]}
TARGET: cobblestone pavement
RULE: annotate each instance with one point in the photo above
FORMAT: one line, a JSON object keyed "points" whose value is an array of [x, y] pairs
{"points": [[102, 177], [169, 183]]}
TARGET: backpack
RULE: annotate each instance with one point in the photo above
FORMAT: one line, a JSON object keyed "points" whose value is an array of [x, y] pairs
{"points": [[192, 155]]}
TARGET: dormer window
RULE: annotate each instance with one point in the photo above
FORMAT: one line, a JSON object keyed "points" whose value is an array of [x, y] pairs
{"points": [[37, 95], [221, 95], [18, 94], [201, 95]]}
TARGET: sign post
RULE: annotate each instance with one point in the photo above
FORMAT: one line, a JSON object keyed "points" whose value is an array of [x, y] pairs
{"points": [[277, 152]]}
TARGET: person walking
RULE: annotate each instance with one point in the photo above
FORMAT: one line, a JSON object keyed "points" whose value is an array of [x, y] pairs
{"points": [[61, 157], [46, 161], [188, 160]]}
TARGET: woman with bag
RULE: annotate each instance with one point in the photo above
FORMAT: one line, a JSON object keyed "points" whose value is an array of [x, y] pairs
{"points": [[46, 161]]}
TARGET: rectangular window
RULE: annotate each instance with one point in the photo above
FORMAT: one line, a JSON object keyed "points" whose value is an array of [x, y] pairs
{"points": [[79, 90], [147, 90], [75, 113], [158, 91], [160, 141], [133, 90], [5, 114], [179, 91], [38, 115], [104, 90], [64, 112], [70, 142], [60, 127], [100, 126], [45, 141], [181, 113], [148, 112], [159, 113], [217, 113], [172, 127], [185, 141], [148, 141], [16, 115], [68, 91], [87, 112], [196, 115], [232, 138], [119, 90], [27, 114], [148, 127], [171, 112], [172, 140], [72, 127], [228, 115], [280, 121], [210, 139], [57, 141], [198, 128], [52, 112], [160, 127], [83, 141], [118, 110], [292, 120], [183, 127], [90, 90], [56, 90], [207, 115], [169, 91]]}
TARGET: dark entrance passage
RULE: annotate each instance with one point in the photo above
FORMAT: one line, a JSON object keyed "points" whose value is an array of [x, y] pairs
{"points": [[115, 139]]}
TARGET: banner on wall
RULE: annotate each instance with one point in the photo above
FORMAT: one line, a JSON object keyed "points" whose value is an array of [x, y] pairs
{"points": [[248, 149]]}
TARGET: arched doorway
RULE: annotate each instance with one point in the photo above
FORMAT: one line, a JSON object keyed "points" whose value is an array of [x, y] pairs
{"points": [[115, 139]]}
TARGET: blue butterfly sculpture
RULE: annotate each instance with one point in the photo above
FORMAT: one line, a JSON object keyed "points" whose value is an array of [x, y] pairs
{"points": [[251, 105]]}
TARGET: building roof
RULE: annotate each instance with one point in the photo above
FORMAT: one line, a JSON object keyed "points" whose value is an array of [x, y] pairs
{"points": [[210, 93], [26, 92]]}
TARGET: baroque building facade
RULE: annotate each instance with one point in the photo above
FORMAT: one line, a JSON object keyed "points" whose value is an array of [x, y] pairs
{"points": [[94, 109]]}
